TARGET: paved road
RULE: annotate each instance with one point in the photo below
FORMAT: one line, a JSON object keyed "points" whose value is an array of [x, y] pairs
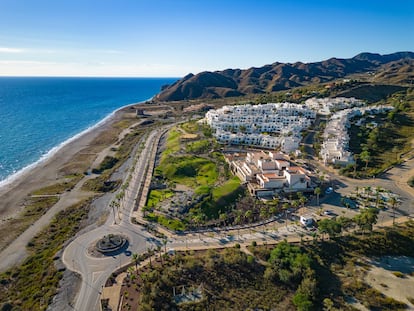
{"points": [[95, 271]]}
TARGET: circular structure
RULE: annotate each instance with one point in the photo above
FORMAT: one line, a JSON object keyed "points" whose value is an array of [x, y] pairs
{"points": [[111, 243]]}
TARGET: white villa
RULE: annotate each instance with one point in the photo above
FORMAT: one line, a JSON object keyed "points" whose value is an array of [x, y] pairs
{"points": [[271, 126], [334, 148], [267, 174]]}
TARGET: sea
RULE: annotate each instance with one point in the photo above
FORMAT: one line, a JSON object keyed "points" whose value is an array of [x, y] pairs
{"points": [[38, 115]]}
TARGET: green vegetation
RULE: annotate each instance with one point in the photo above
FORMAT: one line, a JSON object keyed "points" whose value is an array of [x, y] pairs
{"points": [[58, 188], [191, 171], [230, 281], [222, 197], [32, 285], [201, 175], [34, 209], [111, 163], [157, 196], [107, 163], [411, 182], [198, 147], [383, 146], [170, 223], [35, 206]]}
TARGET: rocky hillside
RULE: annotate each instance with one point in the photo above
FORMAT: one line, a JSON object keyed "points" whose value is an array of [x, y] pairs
{"points": [[396, 68]]}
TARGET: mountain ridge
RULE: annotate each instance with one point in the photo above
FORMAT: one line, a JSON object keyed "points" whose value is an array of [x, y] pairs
{"points": [[278, 76]]}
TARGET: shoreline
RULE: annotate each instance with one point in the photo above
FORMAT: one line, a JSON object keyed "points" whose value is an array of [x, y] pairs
{"points": [[44, 171]]}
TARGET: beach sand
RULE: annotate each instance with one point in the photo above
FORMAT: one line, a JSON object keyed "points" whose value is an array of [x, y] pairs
{"points": [[12, 195]]}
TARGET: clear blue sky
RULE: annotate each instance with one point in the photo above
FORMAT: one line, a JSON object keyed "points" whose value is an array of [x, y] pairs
{"points": [[174, 37]]}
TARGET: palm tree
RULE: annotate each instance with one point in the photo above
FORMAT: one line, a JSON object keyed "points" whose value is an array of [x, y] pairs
{"points": [[130, 271], [150, 253], [285, 207], [355, 164], [393, 202], [222, 218], [248, 215], [164, 242], [136, 260], [317, 191], [366, 157], [377, 196]]}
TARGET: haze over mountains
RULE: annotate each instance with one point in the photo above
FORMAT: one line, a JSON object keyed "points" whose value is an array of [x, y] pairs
{"points": [[396, 68]]}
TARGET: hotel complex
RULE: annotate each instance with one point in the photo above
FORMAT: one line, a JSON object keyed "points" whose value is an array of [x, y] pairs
{"points": [[269, 126], [269, 173], [278, 126]]}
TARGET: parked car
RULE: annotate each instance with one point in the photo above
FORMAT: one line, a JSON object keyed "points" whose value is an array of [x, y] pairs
{"points": [[328, 213], [329, 190]]}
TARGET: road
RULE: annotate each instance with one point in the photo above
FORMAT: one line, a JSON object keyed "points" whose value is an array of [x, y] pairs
{"points": [[95, 271]]}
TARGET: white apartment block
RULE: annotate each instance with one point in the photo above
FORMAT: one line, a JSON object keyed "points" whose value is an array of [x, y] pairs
{"points": [[267, 174], [271, 126], [326, 106], [334, 148]]}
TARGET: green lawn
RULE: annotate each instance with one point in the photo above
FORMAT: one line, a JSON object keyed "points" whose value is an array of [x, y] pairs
{"points": [[189, 170], [226, 189], [173, 144], [157, 196], [199, 146]]}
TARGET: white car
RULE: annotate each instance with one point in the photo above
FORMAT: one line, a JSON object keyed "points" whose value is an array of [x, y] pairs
{"points": [[329, 190]]}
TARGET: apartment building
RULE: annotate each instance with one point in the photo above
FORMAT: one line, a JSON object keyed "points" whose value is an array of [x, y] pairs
{"points": [[269, 126]]}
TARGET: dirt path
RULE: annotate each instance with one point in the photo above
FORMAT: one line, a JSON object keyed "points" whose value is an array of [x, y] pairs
{"points": [[16, 252]]}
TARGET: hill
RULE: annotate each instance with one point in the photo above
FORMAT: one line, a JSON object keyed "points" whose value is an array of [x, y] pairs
{"points": [[393, 68]]}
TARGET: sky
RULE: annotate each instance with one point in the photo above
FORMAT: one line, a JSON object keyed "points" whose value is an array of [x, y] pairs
{"points": [[170, 38]]}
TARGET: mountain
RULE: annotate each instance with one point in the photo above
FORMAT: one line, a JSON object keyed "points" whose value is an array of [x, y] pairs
{"points": [[282, 76]]}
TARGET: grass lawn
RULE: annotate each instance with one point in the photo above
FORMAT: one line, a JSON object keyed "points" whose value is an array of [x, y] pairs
{"points": [[199, 146], [172, 144], [222, 197], [190, 171], [157, 196], [226, 189]]}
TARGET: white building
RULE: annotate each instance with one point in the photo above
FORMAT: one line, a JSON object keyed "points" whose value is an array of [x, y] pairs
{"points": [[335, 146], [267, 174], [326, 106], [268, 126]]}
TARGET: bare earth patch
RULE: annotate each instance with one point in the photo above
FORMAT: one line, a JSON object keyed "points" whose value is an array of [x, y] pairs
{"points": [[383, 277]]}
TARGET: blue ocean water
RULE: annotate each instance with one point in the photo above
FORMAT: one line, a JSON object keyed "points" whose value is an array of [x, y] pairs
{"points": [[38, 114]]}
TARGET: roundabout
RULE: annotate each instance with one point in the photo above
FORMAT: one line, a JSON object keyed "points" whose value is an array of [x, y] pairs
{"points": [[110, 244]]}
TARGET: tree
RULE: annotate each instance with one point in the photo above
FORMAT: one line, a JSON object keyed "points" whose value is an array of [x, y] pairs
{"points": [[317, 191], [222, 218], [393, 202], [346, 223], [136, 259], [164, 242], [302, 302], [366, 157], [355, 164], [285, 207], [330, 227], [248, 215], [366, 219]]}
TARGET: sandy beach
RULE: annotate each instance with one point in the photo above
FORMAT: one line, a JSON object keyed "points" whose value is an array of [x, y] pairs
{"points": [[45, 173]]}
